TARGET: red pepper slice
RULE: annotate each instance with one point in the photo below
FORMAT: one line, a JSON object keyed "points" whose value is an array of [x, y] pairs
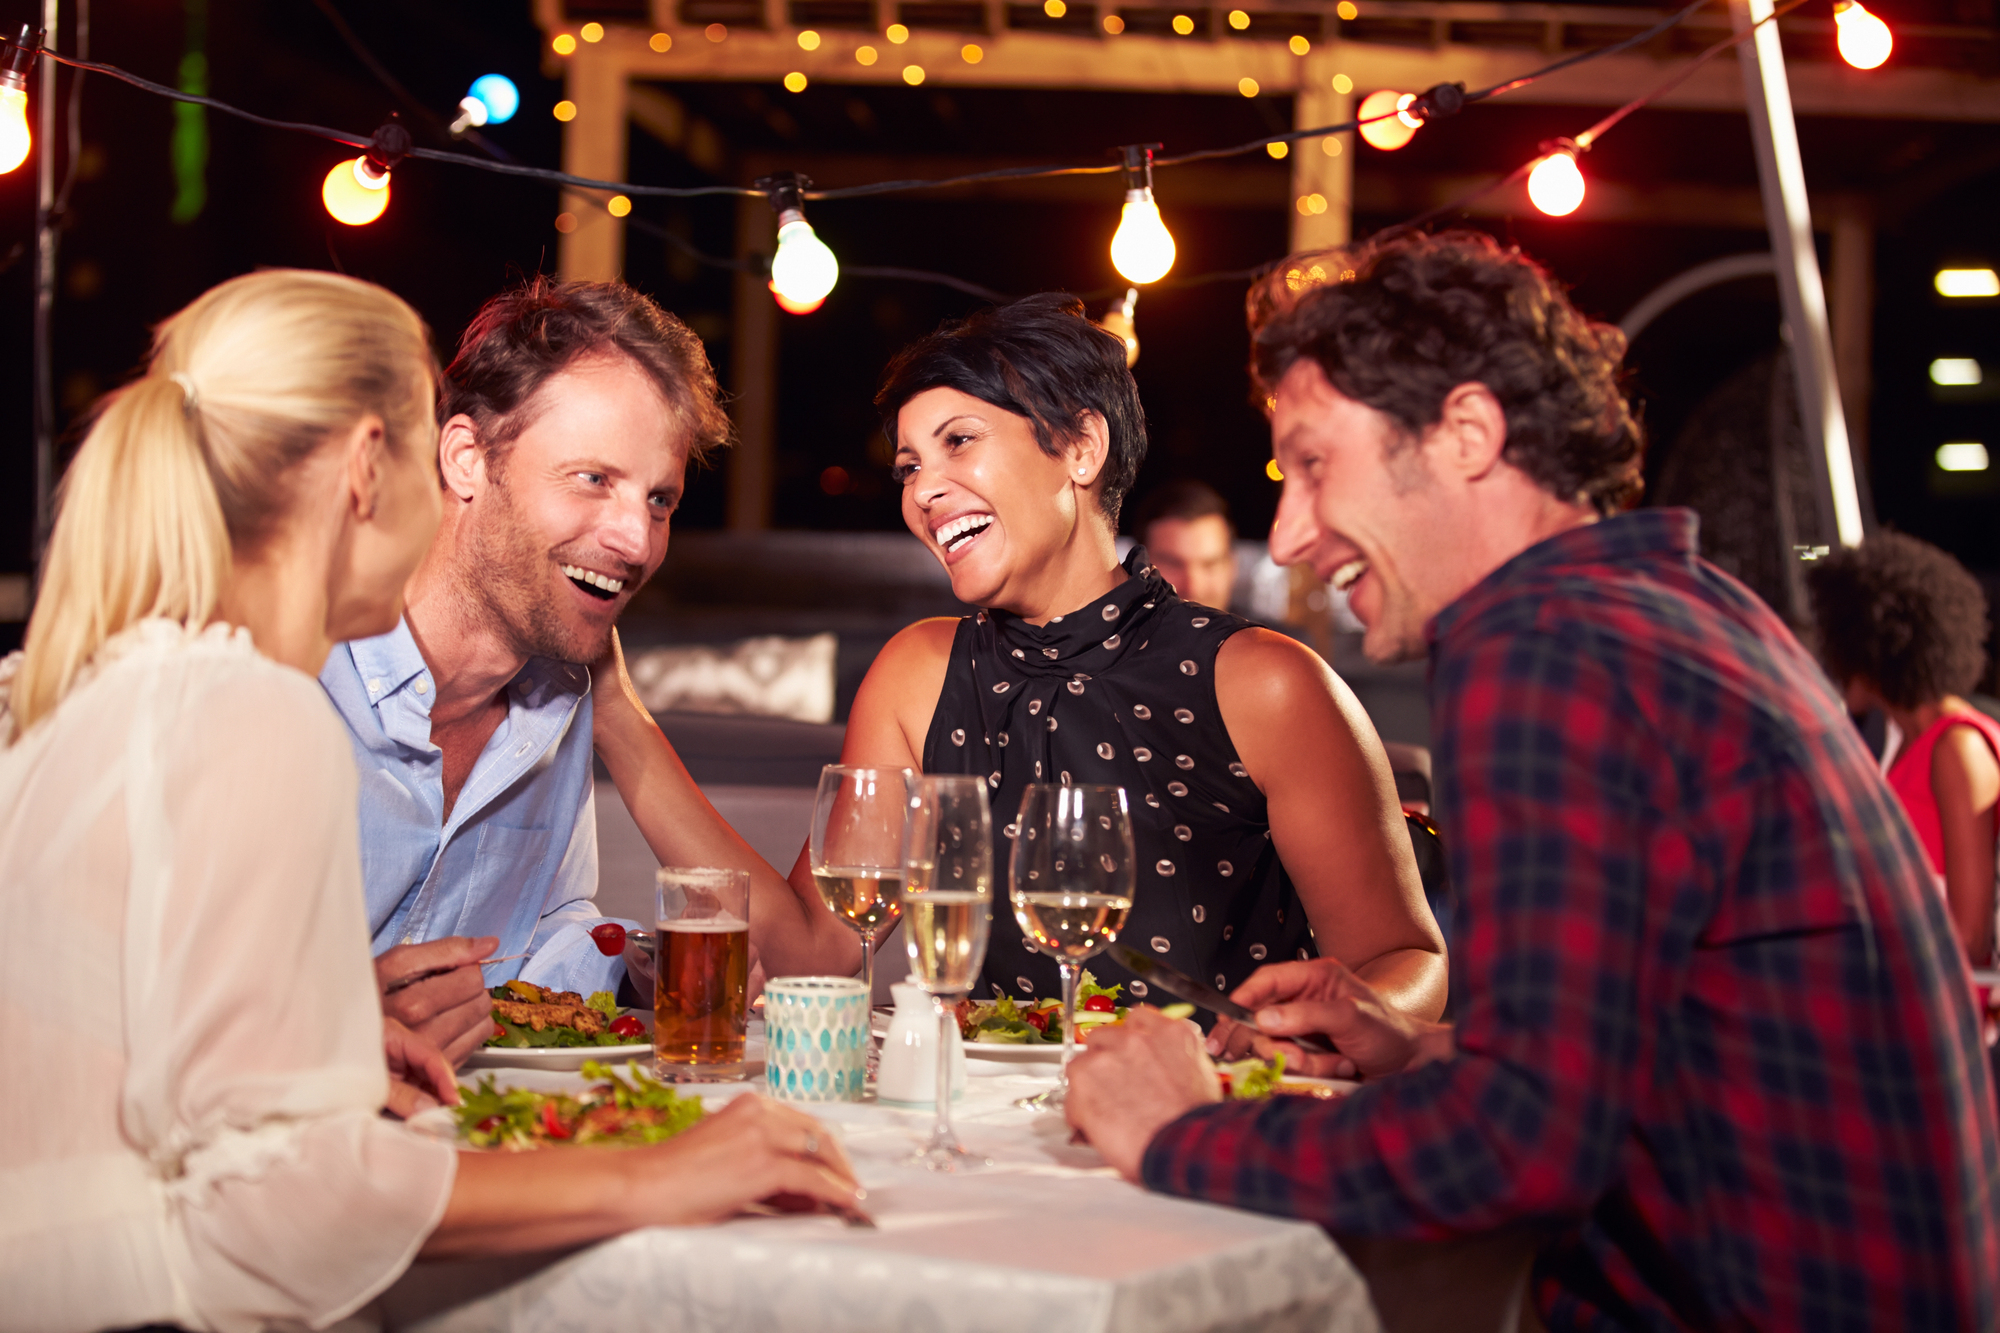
{"points": [[552, 1122]]}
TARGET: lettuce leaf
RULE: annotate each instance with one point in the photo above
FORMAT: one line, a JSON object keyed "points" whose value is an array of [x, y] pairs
{"points": [[604, 1002], [1087, 986]]}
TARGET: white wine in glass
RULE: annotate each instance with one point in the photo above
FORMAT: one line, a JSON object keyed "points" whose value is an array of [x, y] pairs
{"points": [[1070, 879], [856, 852], [948, 906]]}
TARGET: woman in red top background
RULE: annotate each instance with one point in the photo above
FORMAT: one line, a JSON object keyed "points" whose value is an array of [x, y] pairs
{"points": [[1902, 628]]}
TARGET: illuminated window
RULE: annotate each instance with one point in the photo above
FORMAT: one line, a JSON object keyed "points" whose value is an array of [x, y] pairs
{"points": [[1968, 282], [1956, 372], [1961, 456]]}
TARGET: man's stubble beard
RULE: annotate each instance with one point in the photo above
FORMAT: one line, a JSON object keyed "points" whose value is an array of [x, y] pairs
{"points": [[508, 574]]}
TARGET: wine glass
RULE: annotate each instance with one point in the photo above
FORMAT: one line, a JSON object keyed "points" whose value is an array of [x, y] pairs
{"points": [[1070, 883], [948, 899], [857, 850]]}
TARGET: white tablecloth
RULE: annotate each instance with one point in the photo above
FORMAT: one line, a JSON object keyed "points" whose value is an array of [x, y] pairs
{"points": [[1046, 1240]]}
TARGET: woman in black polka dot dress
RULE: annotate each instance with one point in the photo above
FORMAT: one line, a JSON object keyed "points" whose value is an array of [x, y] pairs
{"points": [[1262, 807]]}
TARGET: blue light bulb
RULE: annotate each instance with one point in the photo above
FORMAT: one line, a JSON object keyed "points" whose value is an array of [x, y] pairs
{"points": [[501, 97]]}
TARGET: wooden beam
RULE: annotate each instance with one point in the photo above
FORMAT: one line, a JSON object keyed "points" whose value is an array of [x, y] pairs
{"points": [[1322, 203], [753, 359], [594, 145]]}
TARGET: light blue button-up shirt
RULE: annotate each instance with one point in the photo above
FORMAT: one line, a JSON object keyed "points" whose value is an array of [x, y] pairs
{"points": [[518, 856]]}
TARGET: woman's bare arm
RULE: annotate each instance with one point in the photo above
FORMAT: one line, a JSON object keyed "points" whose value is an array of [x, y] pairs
{"points": [[1965, 779], [886, 728], [792, 935], [514, 1203], [1311, 750]]}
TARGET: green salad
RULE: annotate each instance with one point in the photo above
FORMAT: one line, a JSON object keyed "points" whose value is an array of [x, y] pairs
{"points": [[1009, 1022], [527, 1015], [618, 1112]]}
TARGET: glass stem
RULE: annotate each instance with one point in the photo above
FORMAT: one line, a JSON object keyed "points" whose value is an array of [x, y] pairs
{"points": [[1071, 974], [942, 1133], [868, 966]]}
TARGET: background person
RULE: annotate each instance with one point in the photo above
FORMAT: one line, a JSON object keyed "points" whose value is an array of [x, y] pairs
{"points": [[1184, 526], [176, 797], [1711, 1022], [1902, 627]]}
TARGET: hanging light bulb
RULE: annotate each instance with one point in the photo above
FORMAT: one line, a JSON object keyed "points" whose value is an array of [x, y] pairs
{"points": [[803, 270], [493, 100], [14, 65], [1865, 40], [1142, 249], [1386, 119], [356, 191], [1119, 323], [1555, 184]]}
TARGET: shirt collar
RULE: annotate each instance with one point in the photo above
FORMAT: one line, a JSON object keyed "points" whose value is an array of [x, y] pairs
{"points": [[388, 662], [1675, 533]]}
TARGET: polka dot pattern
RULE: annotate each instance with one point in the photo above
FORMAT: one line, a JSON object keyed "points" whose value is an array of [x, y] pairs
{"points": [[1089, 701]]}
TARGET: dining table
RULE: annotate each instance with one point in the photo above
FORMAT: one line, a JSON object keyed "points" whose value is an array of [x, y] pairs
{"points": [[1042, 1238]]}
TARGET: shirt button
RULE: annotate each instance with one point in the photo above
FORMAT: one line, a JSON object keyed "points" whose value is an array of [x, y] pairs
{"points": [[375, 686], [423, 686]]}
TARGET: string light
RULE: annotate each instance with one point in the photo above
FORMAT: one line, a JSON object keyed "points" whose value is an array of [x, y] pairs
{"points": [[356, 191], [795, 82], [1967, 282], [591, 32], [1555, 184], [803, 270], [1962, 456], [896, 33], [865, 55], [563, 44], [662, 42], [1385, 119], [1300, 46], [1142, 249], [1118, 321], [1956, 372], [1864, 39], [493, 100], [1113, 24], [808, 40], [19, 58]]}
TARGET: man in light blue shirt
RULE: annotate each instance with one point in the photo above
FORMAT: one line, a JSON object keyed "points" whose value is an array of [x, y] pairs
{"points": [[568, 419]]}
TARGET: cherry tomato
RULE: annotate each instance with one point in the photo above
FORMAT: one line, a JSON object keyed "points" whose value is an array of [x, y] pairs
{"points": [[1036, 1019], [489, 1124], [627, 1026], [610, 938], [553, 1122], [1099, 1004]]}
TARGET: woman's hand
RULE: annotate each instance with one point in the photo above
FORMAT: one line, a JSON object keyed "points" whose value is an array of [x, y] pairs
{"points": [[419, 1075], [451, 1010], [752, 1151], [1322, 997]]}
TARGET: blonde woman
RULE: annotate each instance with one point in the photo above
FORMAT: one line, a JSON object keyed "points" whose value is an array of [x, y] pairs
{"points": [[193, 1129]]}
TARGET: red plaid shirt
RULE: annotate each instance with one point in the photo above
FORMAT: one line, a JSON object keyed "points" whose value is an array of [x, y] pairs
{"points": [[1712, 1017]]}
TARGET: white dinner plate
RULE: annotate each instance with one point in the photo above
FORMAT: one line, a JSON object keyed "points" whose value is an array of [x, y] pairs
{"points": [[566, 1057]]}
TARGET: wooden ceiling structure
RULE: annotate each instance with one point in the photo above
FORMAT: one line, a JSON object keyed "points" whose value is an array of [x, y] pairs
{"points": [[619, 54]]}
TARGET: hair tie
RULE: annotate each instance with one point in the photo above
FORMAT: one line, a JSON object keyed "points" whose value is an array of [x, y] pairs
{"points": [[190, 399]]}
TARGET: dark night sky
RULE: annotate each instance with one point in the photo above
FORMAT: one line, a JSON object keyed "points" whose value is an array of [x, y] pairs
{"points": [[451, 237]]}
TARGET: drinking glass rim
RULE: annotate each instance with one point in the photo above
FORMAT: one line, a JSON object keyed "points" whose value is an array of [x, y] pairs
{"points": [[684, 873], [814, 985]]}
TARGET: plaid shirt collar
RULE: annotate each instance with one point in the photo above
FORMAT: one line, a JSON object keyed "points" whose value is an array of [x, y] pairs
{"points": [[1638, 532]]}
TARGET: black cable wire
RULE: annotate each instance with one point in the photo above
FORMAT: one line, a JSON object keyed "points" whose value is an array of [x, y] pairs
{"points": [[421, 110]]}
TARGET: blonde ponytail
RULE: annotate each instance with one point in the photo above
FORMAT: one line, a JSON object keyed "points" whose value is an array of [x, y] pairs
{"points": [[191, 463]]}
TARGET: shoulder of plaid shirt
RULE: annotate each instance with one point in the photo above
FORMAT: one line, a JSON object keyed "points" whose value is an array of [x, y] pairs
{"points": [[1712, 1014]]}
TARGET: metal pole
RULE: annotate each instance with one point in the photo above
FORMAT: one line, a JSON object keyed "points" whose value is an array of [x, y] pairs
{"points": [[1767, 96], [45, 293]]}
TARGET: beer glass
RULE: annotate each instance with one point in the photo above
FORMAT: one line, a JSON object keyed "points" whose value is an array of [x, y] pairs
{"points": [[701, 980], [947, 915], [1070, 884], [857, 850]]}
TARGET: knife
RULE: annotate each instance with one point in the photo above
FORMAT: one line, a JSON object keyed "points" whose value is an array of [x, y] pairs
{"points": [[1185, 987]]}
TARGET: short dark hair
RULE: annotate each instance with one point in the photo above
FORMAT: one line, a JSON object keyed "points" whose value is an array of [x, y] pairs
{"points": [[1901, 615], [530, 333], [1181, 498], [1039, 358], [1398, 324]]}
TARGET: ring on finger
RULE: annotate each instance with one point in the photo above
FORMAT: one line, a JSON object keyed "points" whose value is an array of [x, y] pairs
{"points": [[812, 1144]]}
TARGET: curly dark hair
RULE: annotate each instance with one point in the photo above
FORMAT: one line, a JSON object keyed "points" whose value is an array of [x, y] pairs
{"points": [[532, 332], [1900, 615], [1398, 324], [1041, 358]]}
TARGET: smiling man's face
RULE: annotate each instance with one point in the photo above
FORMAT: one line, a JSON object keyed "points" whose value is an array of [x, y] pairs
{"points": [[1362, 507], [576, 514]]}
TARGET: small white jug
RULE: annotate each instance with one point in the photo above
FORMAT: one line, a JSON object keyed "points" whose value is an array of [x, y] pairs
{"points": [[907, 1075]]}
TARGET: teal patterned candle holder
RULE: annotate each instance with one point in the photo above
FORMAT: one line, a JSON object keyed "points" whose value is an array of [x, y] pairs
{"points": [[815, 1038]]}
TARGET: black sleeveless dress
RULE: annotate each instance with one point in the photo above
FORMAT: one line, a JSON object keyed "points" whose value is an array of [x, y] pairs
{"points": [[1122, 693]]}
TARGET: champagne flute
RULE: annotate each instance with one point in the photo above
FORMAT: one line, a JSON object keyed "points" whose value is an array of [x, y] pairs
{"points": [[857, 850], [1070, 883], [948, 896]]}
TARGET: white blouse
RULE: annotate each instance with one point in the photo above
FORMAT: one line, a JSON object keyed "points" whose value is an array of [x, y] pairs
{"points": [[193, 1036]]}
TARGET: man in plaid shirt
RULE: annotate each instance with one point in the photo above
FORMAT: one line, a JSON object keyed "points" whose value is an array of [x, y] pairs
{"points": [[1711, 1022]]}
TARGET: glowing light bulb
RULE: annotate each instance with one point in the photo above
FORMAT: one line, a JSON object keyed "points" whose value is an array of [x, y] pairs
{"points": [[354, 193], [497, 93], [1387, 124], [1865, 40], [1142, 249], [804, 270], [1556, 185], [14, 137]]}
